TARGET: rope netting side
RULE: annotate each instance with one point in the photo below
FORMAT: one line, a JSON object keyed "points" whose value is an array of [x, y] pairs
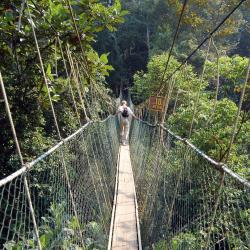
{"points": [[90, 156], [185, 199]]}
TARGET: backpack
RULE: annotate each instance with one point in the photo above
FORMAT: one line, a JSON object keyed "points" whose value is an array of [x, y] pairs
{"points": [[125, 113]]}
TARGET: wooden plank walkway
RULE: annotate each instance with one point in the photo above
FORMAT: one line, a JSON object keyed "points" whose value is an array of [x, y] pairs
{"points": [[125, 229]]}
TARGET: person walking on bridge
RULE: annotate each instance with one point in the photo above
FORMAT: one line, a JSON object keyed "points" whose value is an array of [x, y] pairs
{"points": [[124, 114]]}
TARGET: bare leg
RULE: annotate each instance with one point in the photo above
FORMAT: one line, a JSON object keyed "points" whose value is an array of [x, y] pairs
{"points": [[121, 131], [126, 131]]}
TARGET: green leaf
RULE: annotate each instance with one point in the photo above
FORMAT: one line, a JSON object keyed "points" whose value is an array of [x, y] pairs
{"points": [[117, 5], [109, 67], [104, 58], [110, 27], [98, 28], [48, 70], [74, 223], [44, 239]]}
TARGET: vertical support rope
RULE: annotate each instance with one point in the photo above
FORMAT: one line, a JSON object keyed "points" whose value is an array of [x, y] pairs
{"points": [[227, 155], [76, 82], [170, 91], [80, 77], [238, 112], [20, 15], [21, 160], [199, 90], [169, 94], [175, 194], [56, 123], [56, 64], [68, 76], [43, 72], [217, 84], [78, 36], [176, 99], [217, 201], [94, 90], [185, 76], [218, 76]]}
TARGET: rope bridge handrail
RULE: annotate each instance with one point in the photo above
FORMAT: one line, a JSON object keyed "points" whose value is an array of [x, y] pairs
{"points": [[29, 165], [90, 155], [218, 165], [186, 199]]}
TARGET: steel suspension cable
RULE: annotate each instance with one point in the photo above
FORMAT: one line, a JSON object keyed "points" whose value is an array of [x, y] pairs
{"points": [[173, 42], [207, 38], [203, 42]]}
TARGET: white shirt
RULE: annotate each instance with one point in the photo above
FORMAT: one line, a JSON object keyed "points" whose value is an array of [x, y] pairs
{"points": [[121, 108]]}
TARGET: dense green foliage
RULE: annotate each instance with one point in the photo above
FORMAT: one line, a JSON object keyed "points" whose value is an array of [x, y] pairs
{"points": [[177, 190], [34, 122], [149, 29], [214, 120], [215, 111], [215, 99], [125, 43], [55, 233], [22, 74]]}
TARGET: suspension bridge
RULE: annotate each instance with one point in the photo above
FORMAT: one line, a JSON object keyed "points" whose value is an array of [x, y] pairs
{"points": [[83, 194], [158, 192]]}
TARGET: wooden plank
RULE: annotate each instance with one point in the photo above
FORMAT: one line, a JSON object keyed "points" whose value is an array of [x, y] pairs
{"points": [[125, 223]]}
